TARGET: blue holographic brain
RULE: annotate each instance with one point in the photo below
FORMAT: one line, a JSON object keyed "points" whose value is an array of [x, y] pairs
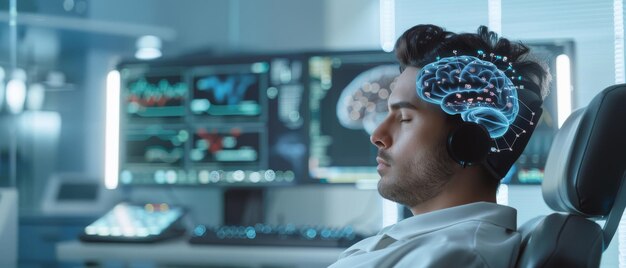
{"points": [[474, 88]]}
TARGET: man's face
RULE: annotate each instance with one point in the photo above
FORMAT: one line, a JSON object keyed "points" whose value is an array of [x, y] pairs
{"points": [[412, 159]]}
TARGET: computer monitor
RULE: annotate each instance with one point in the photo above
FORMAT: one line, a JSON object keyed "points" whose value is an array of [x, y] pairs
{"points": [[529, 168], [241, 123], [348, 99], [235, 121]]}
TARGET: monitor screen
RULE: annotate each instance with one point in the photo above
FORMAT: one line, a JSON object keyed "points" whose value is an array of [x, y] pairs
{"points": [[157, 95], [229, 123], [529, 167], [348, 98], [227, 92], [77, 192]]}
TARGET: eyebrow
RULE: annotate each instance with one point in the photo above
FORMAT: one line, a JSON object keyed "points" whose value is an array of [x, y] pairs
{"points": [[402, 104]]}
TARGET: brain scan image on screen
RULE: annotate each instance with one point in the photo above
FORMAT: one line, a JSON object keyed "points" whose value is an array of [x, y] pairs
{"points": [[473, 88], [363, 102]]}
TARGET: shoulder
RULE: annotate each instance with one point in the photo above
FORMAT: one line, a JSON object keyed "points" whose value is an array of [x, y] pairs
{"points": [[361, 247], [365, 244], [444, 251], [497, 245], [468, 244]]}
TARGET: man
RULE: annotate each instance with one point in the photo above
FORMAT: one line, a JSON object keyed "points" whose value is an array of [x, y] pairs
{"points": [[461, 113]]}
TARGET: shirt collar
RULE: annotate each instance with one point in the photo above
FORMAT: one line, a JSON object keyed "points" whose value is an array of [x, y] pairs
{"points": [[493, 213]]}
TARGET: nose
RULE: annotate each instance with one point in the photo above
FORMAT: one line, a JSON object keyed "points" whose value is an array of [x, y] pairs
{"points": [[380, 137]]}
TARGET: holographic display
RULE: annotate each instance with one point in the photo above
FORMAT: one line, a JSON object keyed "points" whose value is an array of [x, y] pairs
{"points": [[473, 88]]}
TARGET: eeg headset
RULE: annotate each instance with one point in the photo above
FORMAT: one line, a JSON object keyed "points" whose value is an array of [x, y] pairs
{"points": [[497, 117]]}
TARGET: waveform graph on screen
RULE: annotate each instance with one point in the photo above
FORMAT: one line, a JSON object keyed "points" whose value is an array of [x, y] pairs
{"points": [[153, 154], [226, 147], [156, 146], [157, 95], [229, 155], [230, 91]]}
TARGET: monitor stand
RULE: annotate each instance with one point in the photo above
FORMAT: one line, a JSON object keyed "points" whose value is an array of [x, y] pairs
{"points": [[244, 206]]}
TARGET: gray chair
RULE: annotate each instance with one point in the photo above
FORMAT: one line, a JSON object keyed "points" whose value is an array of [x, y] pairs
{"points": [[584, 181]]}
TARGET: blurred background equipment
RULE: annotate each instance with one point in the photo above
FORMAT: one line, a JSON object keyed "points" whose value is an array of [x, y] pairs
{"points": [[74, 194], [241, 124], [8, 227], [136, 224]]}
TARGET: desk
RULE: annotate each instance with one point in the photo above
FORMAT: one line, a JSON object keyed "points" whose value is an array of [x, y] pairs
{"points": [[180, 252], [39, 234]]}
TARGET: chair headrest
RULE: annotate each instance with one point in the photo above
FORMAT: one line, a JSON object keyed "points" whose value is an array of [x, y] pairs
{"points": [[587, 160]]}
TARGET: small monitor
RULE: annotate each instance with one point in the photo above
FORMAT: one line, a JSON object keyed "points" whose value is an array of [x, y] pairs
{"points": [[236, 121], [529, 167], [348, 99], [229, 92], [76, 194], [159, 95]]}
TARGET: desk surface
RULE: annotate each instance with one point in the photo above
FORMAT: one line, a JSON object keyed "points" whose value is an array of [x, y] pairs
{"points": [[179, 251]]}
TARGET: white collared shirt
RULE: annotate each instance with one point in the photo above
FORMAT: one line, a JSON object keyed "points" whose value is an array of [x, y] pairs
{"points": [[479, 234]]}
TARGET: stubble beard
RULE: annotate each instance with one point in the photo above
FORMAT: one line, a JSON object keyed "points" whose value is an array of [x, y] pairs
{"points": [[419, 180]]}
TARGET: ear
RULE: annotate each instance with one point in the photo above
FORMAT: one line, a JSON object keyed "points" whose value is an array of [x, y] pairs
{"points": [[468, 144]]}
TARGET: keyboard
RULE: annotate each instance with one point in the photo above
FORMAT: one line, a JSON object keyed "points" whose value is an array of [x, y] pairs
{"points": [[288, 235], [135, 223]]}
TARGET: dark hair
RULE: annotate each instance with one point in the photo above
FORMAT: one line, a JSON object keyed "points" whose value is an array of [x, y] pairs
{"points": [[424, 44]]}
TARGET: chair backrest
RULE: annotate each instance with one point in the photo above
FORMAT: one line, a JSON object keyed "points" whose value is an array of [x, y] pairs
{"points": [[584, 181]]}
